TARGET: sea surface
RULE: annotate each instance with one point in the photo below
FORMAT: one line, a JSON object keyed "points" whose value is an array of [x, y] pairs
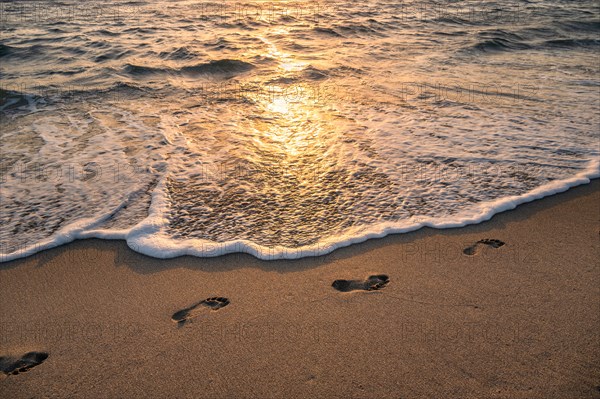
{"points": [[287, 128]]}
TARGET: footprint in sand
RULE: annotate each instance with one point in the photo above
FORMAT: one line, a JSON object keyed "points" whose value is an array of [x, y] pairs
{"points": [[372, 283], [214, 303], [14, 366], [472, 250]]}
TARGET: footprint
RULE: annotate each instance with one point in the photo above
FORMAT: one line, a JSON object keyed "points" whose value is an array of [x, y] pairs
{"points": [[372, 283], [214, 303], [14, 366], [472, 250]]}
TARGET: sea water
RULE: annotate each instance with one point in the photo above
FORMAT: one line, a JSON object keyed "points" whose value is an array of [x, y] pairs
{"points": [[286, 128]]}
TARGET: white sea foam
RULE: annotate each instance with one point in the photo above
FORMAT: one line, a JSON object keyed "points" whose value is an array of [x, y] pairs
{"points": [[147, 237]]}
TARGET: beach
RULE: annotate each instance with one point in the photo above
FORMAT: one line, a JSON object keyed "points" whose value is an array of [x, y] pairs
{"points": [[518, 320], [300, 199]]}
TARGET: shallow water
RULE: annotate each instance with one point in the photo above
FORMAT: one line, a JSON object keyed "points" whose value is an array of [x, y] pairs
{"points": [[286, 129]]}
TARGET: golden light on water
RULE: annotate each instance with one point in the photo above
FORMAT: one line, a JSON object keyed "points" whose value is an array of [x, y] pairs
{"points": [[294, 122], [291, 66], [286, 61], [278, 105]]}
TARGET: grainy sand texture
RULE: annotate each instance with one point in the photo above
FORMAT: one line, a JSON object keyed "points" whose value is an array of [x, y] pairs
{"points": [[509, 308]]}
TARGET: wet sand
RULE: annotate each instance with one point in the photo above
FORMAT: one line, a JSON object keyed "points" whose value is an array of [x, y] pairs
{"points": [[514, 318]]}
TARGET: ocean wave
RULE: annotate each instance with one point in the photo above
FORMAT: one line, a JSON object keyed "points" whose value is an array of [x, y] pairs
{"points": [[178, 54], [141, 70], [5, 50], [579, 26], [219, 67], [355, 29], [225, 67], [115, 54], [571, 43], [22, 52], [106, 32], [11, 99], [148, 238], [327, 31], [530, 39], [221, 44], [37, 96], [499, 44], [312, 73]]}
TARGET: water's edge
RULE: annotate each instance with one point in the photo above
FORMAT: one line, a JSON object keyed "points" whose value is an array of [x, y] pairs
{"points": [[143, 237]]}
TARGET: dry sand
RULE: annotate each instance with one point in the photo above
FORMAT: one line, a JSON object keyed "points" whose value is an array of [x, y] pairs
{"points": [[519, 321]]}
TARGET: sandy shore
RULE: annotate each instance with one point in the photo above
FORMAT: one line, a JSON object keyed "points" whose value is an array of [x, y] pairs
{"points": [[518, 321]]}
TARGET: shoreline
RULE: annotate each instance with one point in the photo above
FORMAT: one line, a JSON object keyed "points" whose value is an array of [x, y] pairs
{"points": [[147, 243], [517, 321]]}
